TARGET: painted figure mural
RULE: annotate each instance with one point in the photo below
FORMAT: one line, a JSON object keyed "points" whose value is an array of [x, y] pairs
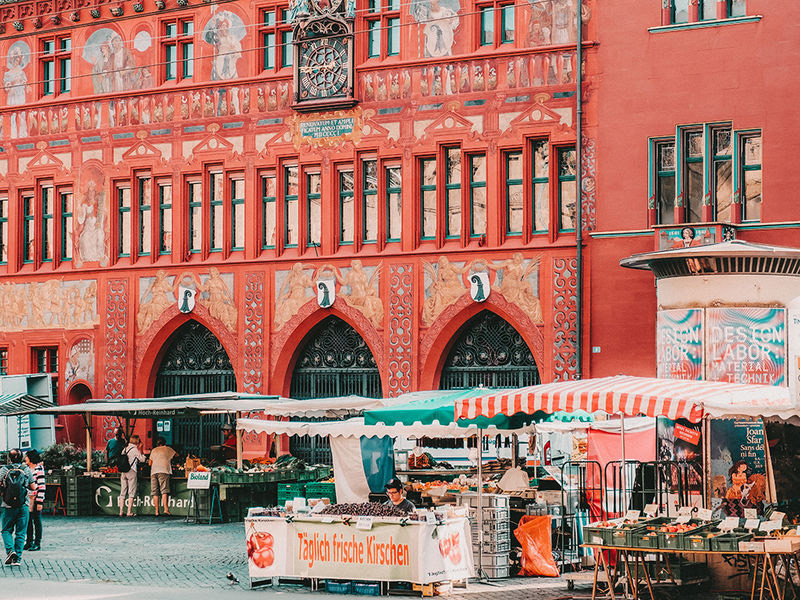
{"points": [[90, 231], [80, 364], [439, 21], [15, 83], [114, 67], [224, 32]]}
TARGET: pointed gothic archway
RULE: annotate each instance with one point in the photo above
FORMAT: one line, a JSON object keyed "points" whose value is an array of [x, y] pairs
{"points": [[195, 363], [488, 351], [334, 361]]}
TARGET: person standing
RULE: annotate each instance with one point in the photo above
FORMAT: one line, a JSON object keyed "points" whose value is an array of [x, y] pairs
{"points": [[35, 500], [128, 479], [160, 470], [115, 446], [16, 481]]}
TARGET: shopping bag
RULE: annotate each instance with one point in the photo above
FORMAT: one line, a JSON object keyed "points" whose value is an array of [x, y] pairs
{"points": [[533, 534]]}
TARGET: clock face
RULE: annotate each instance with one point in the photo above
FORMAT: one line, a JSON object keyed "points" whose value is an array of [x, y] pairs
{"points": [[322, 68]]}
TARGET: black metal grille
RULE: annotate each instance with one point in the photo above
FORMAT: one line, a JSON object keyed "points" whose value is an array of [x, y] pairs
{"points": [[335, 361], [195, 363], [489, 352]]}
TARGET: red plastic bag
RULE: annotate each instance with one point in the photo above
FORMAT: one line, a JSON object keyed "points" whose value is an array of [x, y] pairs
{"points": [[533, 534]]}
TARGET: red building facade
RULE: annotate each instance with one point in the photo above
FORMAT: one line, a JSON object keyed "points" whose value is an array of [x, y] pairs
{"points": [[174, 164]]}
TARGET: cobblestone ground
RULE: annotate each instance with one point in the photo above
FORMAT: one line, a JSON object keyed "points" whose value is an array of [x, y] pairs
{"points": [[171, 554]]}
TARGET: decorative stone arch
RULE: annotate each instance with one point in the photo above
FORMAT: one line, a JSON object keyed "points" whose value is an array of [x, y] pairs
{"points": [[289, 341], [152, 347], [72, 426], [438, 340]]}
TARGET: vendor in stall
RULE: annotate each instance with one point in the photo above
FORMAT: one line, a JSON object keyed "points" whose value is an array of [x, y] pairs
{"points": [[394, 489]]}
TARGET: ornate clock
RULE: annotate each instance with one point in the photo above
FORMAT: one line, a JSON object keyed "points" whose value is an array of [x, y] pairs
{"points": [[323, 68], [323, 42]]}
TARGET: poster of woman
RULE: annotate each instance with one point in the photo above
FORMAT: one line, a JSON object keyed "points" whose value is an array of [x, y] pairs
{"points": [[224, 32]]}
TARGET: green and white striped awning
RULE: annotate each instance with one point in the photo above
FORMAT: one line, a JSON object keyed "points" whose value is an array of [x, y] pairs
{"points": [[16, 404]]}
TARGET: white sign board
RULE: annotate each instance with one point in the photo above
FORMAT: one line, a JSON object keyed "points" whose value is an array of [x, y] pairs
{"points": [[199, 480]]}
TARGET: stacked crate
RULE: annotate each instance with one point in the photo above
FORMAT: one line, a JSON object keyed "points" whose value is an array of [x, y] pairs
{"points": [[493, 555], [290, 491], [78, 495]]}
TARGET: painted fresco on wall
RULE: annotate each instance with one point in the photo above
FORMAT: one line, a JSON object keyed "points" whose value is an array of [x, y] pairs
{"points": [[224, 32], [90, 219], [80, 363], [438, 21], [359, 289], [113, 66], [213, 290], [48, 304], [553, 22], [15, 83], [516, 279]]}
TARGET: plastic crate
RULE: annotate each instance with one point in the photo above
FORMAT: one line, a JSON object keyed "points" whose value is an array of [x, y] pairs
{"points": [[729, 542], [497, 572], [492, 560], [492, 537], [623, 535], [366, 588], [317, 489], [492, 547], [644, 539], [338, 587]]}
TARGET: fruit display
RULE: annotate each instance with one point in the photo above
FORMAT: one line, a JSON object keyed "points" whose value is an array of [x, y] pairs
{"points": [[267, 512], [366, 509]]}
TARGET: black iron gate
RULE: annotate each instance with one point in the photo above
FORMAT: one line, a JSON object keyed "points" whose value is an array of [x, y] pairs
{"points": [[489, 352], [334, 361], [195, 363]]}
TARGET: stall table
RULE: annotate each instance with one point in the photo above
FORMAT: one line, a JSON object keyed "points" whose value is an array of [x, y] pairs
{"points": [[380, 549], [771, 572]]}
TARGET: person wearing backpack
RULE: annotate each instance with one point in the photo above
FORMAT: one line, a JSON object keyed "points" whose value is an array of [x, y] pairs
{"points": [[115, 446], [16, 482], [127, 465]]}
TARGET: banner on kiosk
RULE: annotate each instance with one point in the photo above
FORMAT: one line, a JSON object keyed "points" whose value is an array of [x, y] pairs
{"points": [[385, 552]]}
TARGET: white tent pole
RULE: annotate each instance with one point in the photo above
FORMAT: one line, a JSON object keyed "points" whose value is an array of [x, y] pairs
{"points": [[622, 475], [480, 503], [238, 443]]}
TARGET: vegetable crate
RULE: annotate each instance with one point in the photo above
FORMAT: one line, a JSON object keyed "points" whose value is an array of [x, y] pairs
{"points": [[366, 588], [290, 491], [319, 489], [729, 542], [338, 587]]}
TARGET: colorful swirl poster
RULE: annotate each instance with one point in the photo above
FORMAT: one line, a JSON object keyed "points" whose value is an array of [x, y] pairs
{"points": [[679, 343], [746, 345]]}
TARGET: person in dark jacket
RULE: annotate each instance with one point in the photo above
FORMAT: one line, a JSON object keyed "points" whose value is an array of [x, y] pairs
{"points": [[35, 500]]}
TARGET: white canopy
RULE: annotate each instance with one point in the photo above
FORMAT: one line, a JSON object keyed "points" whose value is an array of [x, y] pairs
{"points": [[355, 428]]}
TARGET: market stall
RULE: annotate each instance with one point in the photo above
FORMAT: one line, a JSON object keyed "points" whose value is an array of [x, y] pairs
{"points": [[359, 547], [230, 487]]}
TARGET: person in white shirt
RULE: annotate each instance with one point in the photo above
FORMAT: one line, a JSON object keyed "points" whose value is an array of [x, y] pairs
{"points": [[129, 480], [160, 470]]}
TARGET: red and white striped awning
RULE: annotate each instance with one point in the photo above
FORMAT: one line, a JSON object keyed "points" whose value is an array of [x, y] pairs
{"points": [[634, 396]]}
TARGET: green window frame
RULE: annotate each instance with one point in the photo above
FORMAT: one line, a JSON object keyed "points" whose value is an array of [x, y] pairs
{"points": [[4, 229], [514, 192], [28, 227], [394, 202], [66, 199], [313, 209], [487, 25], [237, 211], [123, 220], [291, 200], [216, 203], [47, 202], [46, 361], [374, 44], [693, 152], [507, 23], [194, 189], [383, 16], [287, 46], [369, 201], [144, 210], [393, 36], [268, 36], [477, 195], [178, 45], [3, 361], [567, 194], [428, 199], [346, 206], [720, 175], [736, 8], [452, 187], [164, 217], [540, 185], [751, 176], [679, 11], [56, 65], [663, 193], [268, 210]]}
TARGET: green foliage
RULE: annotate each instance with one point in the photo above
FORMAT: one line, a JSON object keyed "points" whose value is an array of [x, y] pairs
{"points": [[59, 456]]}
